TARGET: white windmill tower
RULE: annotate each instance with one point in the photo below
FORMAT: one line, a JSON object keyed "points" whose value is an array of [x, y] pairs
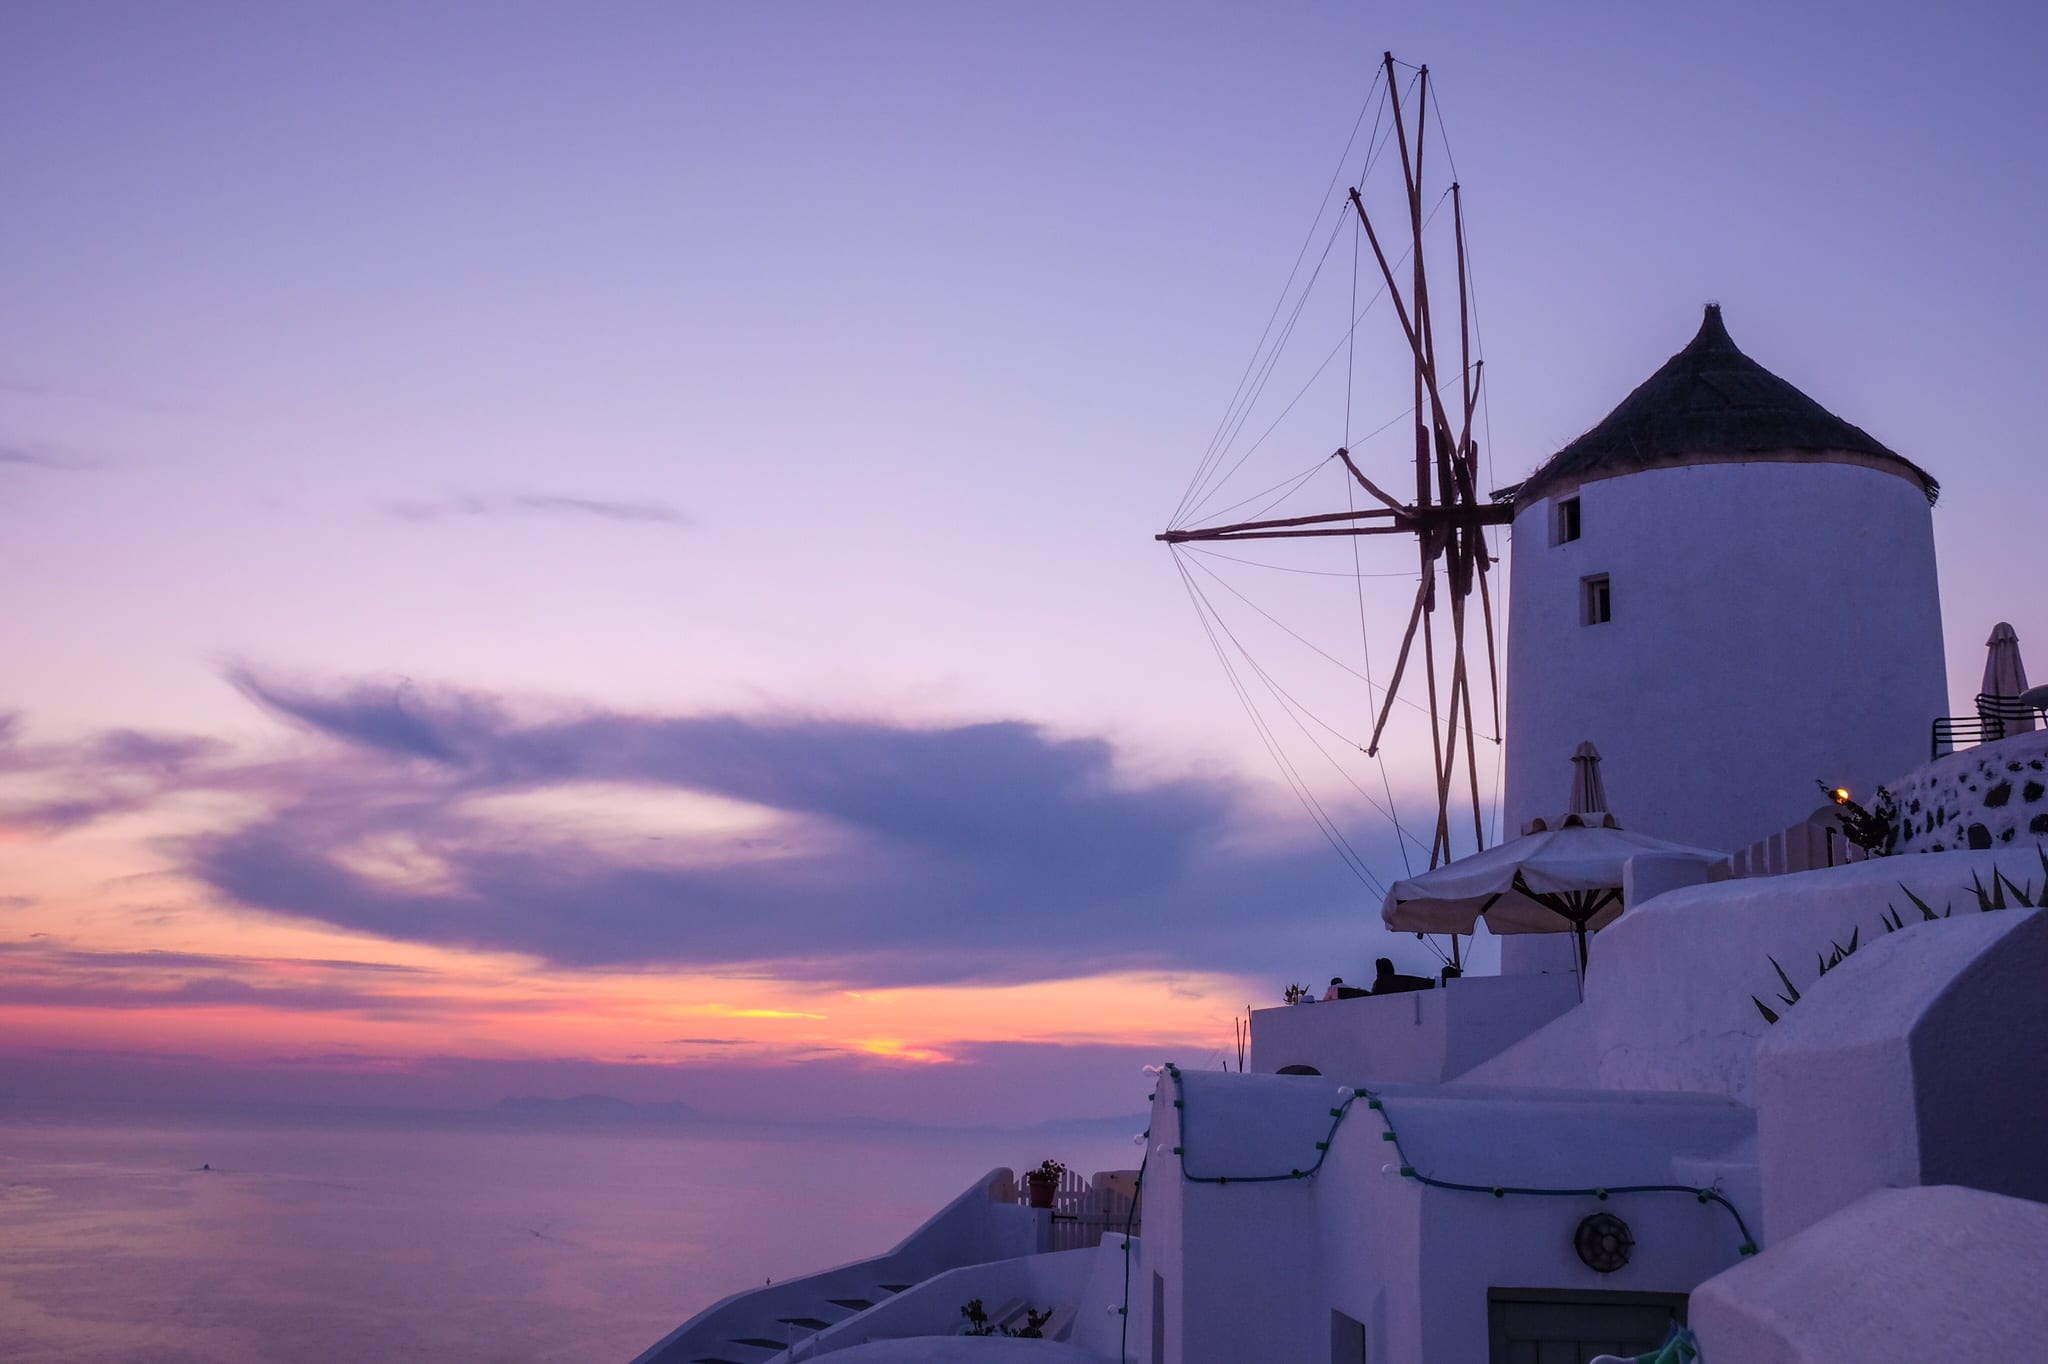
{"points": [[1731, 592]]}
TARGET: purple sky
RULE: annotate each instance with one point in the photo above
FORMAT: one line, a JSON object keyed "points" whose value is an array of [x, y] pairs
{"points": [[392, 394]]}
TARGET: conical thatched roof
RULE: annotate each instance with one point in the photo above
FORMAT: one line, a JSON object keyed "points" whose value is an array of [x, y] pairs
{"points": [[1712, 404]]}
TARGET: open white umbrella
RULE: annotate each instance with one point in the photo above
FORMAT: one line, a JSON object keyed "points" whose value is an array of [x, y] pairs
{"points": [[2005, 679], [1565, 878]]}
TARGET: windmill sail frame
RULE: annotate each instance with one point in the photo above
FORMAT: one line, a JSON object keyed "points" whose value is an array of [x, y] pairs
{"points": [[1446, 516]]}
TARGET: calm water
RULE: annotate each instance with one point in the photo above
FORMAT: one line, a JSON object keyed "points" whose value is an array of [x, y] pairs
{"points": [[456, 1244]]}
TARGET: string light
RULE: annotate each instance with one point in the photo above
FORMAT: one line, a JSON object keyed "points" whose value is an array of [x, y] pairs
{"points": [[1405, 1170]]}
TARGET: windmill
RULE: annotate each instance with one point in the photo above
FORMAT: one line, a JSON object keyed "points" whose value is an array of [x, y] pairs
{"points": [[1445, 517]]}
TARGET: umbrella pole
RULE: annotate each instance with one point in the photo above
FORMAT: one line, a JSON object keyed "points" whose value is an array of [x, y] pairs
{"points": [[1579, 932]]}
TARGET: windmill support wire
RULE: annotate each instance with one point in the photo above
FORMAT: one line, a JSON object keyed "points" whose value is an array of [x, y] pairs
{"points": [[1291, 706], [1446, 516], [1440, 842], [1400, 666], [1212, 624]]}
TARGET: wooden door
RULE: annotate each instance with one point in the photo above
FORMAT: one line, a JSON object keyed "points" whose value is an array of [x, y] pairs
{"points": [[1567, 1326]]}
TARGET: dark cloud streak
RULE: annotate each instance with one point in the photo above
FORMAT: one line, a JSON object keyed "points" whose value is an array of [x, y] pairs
{"points": [[543, 504], [971, 852], [195, 961], [900, 854], [17, 456]]}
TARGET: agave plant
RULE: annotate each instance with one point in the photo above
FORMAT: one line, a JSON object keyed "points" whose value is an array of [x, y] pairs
{"points": [[2022, 894], [1875, 830], [2002, 893], [1791, 996]]}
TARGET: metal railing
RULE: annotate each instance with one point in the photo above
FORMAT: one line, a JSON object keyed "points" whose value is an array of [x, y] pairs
{"points": [[1997, 717]]}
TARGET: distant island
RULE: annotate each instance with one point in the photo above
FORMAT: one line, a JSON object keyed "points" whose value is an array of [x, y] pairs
{"points": [[586, 1109], [601, 1110]]}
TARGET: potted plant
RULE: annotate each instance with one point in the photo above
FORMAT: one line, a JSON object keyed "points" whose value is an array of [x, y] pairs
{"points": [[1044, 1182], [1875, 830]]}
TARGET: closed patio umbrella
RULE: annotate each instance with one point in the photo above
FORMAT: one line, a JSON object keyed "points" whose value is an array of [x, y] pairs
{"points": [[1589, 793], [2005, 678], [1558, 879]]}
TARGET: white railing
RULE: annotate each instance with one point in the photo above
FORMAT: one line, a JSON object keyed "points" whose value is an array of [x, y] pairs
{"points": [[1815, 842], [976, 1227], [1084, 1212]]}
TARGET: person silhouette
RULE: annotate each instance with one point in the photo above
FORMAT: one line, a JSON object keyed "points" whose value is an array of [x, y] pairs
{"points": [[1386, 981]]}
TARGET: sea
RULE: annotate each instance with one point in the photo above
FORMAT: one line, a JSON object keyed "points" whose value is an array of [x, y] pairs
{"points": [[460, 1239]]}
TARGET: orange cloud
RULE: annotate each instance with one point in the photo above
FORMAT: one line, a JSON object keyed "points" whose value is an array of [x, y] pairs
{"points": [[895, 1049]]}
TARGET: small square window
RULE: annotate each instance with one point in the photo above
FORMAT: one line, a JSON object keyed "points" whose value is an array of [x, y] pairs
{"points": [[1597, 603], [1567, 521]]}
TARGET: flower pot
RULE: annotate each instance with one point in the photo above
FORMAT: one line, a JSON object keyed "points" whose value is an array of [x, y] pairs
{"points": [[1041, 1190]]}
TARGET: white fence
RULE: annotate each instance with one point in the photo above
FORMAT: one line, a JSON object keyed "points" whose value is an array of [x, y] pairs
{"points": [[1083, 1212], [1814, 842]]}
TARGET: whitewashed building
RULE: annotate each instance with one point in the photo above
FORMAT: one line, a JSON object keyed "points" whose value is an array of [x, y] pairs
{"points": [[1732, 593]]}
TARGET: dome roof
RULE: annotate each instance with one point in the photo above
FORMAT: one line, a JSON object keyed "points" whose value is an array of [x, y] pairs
{"points": [[1711, 404]]}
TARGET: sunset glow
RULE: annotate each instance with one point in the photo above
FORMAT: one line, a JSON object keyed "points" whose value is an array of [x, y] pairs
{"points": [[618, 558]]}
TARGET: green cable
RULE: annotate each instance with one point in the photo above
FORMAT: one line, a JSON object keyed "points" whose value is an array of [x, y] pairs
{"points": [[1408, 1171], [1123, 1344], [1679, 1350]]}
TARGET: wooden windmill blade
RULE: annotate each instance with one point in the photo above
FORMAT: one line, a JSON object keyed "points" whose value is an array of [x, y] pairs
{"points": [[1471, 375], [1445, 516]]}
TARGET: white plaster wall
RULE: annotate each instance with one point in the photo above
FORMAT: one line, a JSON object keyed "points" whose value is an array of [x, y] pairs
{"points": [[1414, 1264], [1160, 1248], [1562, 1054], [1471, 1243], [1922, 1059], [1903, 1276], [1370, 1228], [1528, 954], [1253, 1270], [1251, 1289], [1423, 1035], [1388, 1037], [1773, 623], [970, 1229], [1099, 1319], [1239, 1258], [1668, 996], [1487, 1014], [932, 1308]]}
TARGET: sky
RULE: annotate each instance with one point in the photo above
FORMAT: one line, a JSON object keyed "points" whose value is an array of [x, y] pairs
{"points": [[609, 548]]}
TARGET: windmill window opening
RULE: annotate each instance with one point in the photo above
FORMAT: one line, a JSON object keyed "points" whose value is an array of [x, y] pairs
{"points": [[1567, 521], [1598, 601]]}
